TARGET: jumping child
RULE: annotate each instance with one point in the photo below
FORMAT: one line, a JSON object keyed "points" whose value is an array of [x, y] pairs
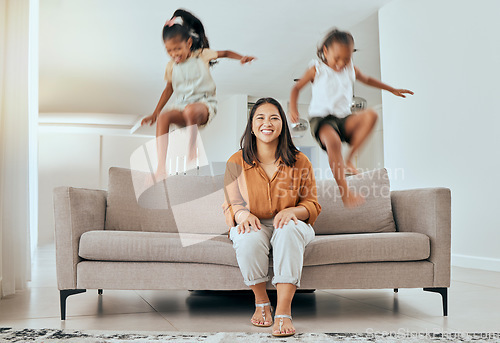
{"points": [[330, 118], [187, 74]]}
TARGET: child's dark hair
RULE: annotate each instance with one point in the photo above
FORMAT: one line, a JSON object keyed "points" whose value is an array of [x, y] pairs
{"points": [[191, 27], [335, 36]]}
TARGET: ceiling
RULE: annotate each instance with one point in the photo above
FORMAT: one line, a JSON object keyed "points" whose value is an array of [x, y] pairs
{"points": [[107, 56]]}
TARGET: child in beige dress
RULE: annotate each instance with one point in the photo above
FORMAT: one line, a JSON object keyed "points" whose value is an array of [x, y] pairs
{"points": [[188, 74]]}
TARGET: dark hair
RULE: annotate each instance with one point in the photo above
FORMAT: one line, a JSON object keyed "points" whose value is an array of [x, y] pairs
{"points": [[335, 36], [286, 149], [191, 28]]}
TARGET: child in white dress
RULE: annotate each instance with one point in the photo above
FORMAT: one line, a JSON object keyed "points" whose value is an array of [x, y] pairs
{"points": [[332, 77], [188, 74]]}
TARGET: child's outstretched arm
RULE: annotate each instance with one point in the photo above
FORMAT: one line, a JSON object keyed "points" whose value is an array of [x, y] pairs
{"points": [[370, 81], [308, 77], [234, 56], [167, 93]]}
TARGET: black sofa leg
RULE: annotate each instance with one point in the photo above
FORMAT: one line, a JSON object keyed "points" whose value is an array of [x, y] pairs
{"points": [[99, 291], [63, 295], [444, 295], [396, 290]]}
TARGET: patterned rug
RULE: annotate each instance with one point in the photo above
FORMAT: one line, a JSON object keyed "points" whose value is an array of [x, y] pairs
{"points": [[88, 336]]}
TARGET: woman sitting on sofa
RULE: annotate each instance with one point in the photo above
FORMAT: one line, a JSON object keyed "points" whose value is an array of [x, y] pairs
{"points": [[270, 201]]}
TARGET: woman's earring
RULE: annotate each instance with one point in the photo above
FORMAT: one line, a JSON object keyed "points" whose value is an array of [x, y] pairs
{"points": [[252, 132]]}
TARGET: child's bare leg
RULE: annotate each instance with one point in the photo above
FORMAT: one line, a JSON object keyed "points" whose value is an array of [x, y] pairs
{"points": [[162, 129], [194, 115], [358, 127], [331, 140]]}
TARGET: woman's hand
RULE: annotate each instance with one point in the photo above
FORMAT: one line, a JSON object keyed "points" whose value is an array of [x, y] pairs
{"points": [[246, 59], [283, 217], [149, 119], [249, 222]]}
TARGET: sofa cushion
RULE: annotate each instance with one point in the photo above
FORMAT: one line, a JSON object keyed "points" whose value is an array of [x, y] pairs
{"points": [[105, 245], [367, 247], [138, 246], [181, 203], [375, 215]]}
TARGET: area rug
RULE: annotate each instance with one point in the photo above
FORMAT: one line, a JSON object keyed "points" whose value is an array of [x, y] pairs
{"points": [[90, 336]]}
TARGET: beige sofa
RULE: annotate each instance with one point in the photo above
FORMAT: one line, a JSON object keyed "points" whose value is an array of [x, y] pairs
{"points": [[173, 236]]}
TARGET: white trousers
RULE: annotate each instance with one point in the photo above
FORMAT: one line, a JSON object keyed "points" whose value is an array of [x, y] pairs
{"points": [[288, 245]]}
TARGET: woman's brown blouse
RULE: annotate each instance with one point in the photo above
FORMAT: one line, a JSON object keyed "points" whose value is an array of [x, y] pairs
{"points": [[247, 187]]}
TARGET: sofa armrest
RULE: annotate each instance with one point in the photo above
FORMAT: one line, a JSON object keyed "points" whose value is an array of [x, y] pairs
{"points": [[76, 210], [427, 211]]}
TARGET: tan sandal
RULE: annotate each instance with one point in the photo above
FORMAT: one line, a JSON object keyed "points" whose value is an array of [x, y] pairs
{"points": [[263, 315], [284, 334]]}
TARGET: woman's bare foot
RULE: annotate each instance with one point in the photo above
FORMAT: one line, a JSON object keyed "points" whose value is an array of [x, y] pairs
{"points": [[258, 318], [352, 200], [287, 326], [350, 168]]}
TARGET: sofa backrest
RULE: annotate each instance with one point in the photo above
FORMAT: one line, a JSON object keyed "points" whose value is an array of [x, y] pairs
{"points": [[375, 215], [192, 203]]}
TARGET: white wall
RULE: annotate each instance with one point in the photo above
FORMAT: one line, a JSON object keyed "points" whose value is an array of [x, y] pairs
{"points": [[64, 160], [116, 152], [447, 133], [221, 138], [367, 59]]}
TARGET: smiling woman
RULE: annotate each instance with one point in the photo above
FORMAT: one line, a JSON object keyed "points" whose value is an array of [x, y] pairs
{"points": [[270, 201]]}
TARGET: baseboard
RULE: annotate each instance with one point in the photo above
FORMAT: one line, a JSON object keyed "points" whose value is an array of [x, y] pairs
{"points": [[484, 263]]}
